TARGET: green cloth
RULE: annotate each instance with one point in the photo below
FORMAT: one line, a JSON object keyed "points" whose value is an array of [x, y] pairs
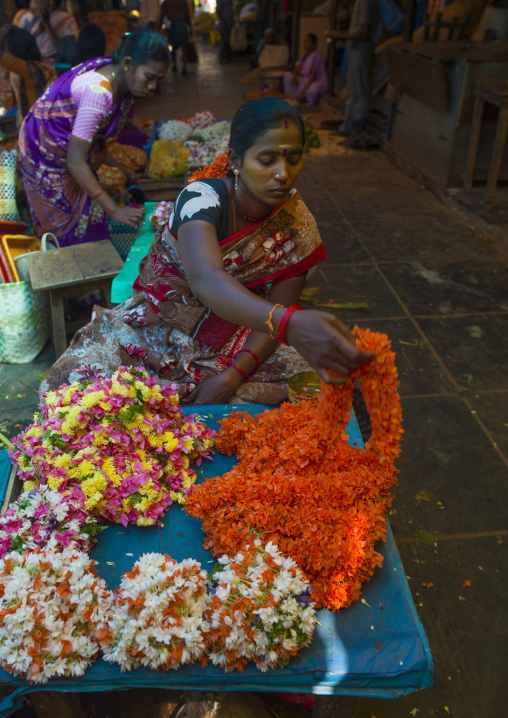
{"points": [[122, 283]]}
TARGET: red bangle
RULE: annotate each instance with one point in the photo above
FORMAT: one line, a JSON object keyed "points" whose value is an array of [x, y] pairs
{"points": [[285, 319], [98, 194], [253, 354], [240, 370]]}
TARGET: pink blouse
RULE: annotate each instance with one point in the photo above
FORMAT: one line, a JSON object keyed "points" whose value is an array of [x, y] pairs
{"points": [[93, 95]]}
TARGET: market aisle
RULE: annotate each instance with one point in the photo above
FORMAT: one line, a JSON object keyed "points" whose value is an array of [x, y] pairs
{"points": [[207, 86], [439, 290]]}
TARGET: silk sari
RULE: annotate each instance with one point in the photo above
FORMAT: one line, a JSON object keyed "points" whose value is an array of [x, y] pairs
{"points": [[56, 201], [169, 332]]}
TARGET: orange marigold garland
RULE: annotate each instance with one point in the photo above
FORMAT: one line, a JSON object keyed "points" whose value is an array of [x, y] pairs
{"points": [[218, 169], [299, 484]]}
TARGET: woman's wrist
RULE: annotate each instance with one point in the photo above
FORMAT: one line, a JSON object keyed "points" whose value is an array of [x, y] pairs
{"points": [[234, 376]]}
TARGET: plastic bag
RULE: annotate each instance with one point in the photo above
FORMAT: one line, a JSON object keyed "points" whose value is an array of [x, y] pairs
{"points": [[168, 159]]}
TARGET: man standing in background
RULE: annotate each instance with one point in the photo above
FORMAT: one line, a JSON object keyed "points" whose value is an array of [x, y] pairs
{"points": [[226, 21], [361, 34], [150, 14]]}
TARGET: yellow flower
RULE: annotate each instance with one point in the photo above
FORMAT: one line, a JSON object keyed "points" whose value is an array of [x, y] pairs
{"points": [[71, 419], [109, 469], [93, 501], [92, 399], [143, 521], [83, 469], [34, 431], [177, 496], [29, 485], [94, 485], [51, 398], [54, 482], [186, 462], [62, 460]]}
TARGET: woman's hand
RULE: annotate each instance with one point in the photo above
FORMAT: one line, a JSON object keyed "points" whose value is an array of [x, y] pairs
{"points": [[325, 343], [215, 390], [294, 79], [131, 216]]}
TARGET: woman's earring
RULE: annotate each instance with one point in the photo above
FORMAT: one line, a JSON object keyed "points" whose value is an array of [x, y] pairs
{"points": [[236, 172]]}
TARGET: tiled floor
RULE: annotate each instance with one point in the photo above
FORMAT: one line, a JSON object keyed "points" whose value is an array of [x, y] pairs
{"points": [[441, 293]]}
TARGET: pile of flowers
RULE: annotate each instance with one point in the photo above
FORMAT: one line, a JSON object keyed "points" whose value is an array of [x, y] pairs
{"points": [[158, 615], [133, 158], [161, 214], [205, 151], [43, 514], [52, 605], [200, 120], [219, 129], [175, 130], [259, 610], [300, 485], [112, 179], [121, 443], [218, 169]]}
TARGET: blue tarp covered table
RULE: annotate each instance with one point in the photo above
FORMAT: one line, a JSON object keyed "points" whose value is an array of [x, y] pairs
{"points": [[121, 289], [378, 650]]}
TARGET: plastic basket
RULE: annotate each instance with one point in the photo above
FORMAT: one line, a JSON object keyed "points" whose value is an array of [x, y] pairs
{"points": [[24, 322], [122, 236], [8, 207], [15, 244]]}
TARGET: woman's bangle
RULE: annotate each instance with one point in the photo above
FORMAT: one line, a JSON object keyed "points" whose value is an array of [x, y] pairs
{"points": [[269, 321], [238, 369], [253, 354], [98, 194], [285, 319]]}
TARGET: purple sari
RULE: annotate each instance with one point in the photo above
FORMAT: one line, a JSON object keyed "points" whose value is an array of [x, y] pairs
{"points": [[57, 203]]}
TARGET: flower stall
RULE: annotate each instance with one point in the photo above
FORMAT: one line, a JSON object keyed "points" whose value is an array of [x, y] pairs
{"points": [[134, 556]]}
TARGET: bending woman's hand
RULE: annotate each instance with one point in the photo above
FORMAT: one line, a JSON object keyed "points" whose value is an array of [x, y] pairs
{"points": [[131, 216], [325, 343], [216, 390]]}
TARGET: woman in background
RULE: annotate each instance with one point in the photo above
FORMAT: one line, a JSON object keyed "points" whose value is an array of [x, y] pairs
{"points": [[308, 80], [29, 75], [63, 138]]}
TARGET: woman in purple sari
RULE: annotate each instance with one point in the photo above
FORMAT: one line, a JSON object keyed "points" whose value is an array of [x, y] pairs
{"points": [[62, 141], [308, 80]]}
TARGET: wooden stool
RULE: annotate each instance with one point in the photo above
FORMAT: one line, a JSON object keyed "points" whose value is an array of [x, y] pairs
{"points": [[495, 92], [72, 270]]}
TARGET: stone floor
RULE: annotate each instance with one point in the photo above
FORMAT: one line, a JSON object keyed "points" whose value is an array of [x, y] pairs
{"points": [[440, 291]]}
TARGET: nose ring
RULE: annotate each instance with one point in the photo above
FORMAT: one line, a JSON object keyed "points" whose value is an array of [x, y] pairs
{"points": [[276, 175]]}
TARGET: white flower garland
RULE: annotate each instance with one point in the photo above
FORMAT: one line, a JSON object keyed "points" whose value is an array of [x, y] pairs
{"points": [[52, 604], [175, 130], [259, 610], [158, 615]]}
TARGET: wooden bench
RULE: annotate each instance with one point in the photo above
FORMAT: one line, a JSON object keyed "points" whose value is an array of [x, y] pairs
{"points": [[72, 270]]}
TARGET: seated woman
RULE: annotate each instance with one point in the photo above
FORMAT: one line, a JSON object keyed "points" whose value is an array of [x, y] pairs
{"points": [[215, 303], [308, 80], [29, 75], [63, 138]]}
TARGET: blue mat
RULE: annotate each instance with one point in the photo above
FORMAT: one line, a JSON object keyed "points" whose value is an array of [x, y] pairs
{"points": [[376, 651]]}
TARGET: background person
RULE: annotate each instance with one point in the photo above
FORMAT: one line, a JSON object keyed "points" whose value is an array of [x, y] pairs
{"points": [[226, 17], [308, 81], [361, 34], [50, 26], [63, 139], [215, 289], [177, 17], [29, 75]]}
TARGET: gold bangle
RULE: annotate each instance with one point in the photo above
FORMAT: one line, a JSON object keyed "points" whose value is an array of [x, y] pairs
{"points": [[269, 321]]}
